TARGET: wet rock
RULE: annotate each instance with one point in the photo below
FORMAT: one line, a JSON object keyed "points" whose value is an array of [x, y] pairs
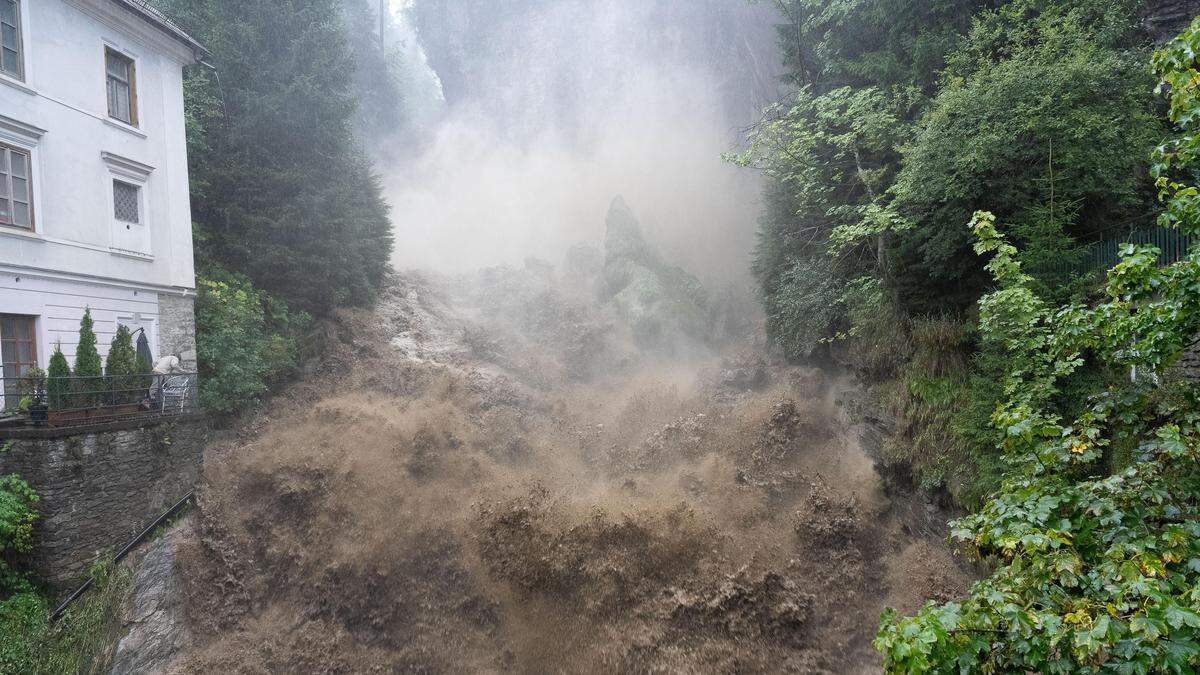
{"points": [[658, 302], [154, 616], [1167, 18]]}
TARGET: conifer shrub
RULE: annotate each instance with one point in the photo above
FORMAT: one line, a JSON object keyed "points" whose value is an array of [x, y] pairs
{"points": [[58, 382], [88, 386], [120, 366]]}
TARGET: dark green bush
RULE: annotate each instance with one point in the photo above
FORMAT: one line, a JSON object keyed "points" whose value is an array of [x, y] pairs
{"points": [[87, 388], [245, 340], [119, 367], [58, 384], [18, 513]]}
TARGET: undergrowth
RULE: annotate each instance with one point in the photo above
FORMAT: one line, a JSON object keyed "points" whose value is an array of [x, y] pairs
{"points": [[78, 642]]}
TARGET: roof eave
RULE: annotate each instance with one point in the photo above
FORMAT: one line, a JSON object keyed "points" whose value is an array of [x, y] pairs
{"points": [[163, 24]]}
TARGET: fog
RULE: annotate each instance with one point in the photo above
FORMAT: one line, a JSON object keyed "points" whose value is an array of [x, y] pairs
{"points": [[550, 108]]}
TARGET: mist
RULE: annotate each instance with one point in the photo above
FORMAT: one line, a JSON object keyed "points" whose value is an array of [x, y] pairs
{"points": [[550, 109]]}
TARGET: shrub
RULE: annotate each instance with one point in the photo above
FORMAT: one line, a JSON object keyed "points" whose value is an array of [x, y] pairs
{"points": [[87, 359], [23, 623], [18, 512], [87, 386], [77, 642], [119, 367], [58, 384], [244, 340]]}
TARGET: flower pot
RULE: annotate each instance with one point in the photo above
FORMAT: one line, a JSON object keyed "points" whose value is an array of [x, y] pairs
{"points": [[39, 413], [98, 415]]}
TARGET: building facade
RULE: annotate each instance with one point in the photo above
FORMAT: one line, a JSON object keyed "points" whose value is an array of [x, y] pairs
{"points": [[94, 202]]}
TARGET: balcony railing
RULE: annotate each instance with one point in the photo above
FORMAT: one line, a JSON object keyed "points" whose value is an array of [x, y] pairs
{"points": [[85, 401]]}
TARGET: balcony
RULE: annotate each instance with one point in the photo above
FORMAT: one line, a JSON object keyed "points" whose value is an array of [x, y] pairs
{"points": [[42, 405]]}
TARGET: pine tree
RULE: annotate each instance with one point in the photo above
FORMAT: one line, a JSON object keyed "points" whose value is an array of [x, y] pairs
{"points": [[299, 212]]}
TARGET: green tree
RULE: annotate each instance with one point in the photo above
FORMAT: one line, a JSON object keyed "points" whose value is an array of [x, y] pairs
{"points": [[88, 387], [282, 189], [1097, 562], [1046, 115], [119, 366], [87, 359], [58, 382]]}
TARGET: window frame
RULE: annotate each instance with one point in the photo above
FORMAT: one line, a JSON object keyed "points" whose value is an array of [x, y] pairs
{"points": [[130, 83], [8, 398], [137, 196], [22, 69], [129, 171], [6, 151]]}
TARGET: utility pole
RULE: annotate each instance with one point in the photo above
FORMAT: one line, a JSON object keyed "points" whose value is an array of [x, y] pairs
{"points": [[382, 8]]}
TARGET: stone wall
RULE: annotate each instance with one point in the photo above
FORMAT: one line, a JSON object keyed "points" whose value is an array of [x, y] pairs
{"points": [[177, 328], [1167, 18], [99, 489]]}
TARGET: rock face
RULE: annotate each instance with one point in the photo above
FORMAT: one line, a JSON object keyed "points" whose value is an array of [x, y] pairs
{"points": [[154, 615], [658, 301], [1167, 18]]}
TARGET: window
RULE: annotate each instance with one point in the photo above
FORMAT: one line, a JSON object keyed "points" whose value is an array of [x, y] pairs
{"points": [[122, 86], [131, 207], [15, 197], [10, 39], [126, 199], [18, 353]]}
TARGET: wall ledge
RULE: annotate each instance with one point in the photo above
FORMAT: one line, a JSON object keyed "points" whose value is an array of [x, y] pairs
{"points": [[81, 430]]}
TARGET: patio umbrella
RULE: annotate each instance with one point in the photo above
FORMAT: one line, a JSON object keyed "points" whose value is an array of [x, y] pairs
{"points": [[143, 348]]}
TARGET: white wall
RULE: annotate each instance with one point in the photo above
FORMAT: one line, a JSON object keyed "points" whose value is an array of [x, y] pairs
{"points": [[60, 113], [59, 306]]}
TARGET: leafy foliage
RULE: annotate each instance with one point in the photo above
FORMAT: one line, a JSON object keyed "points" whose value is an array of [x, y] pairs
{"points": [[1097, 571], [18, 513], [890, 43], [906, 119], [245, 340], [1053, 133], [22, 616], [910, 116], [78, 642]]}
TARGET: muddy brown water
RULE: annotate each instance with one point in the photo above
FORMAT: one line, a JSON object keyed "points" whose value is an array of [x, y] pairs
{"points": [[451, 492]]}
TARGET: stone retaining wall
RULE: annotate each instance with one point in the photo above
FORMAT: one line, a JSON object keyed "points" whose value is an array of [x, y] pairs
{"points": [[99, 489]]}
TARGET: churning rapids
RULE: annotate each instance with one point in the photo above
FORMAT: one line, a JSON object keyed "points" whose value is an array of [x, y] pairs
{"points": [[486, 475]]}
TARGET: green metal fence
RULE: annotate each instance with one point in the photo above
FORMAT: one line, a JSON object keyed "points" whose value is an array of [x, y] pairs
{"points": [[1102, 255]]}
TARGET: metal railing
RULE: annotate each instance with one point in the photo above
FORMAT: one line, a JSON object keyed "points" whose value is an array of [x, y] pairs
{"points": [[84, 401], [1101, 256]]}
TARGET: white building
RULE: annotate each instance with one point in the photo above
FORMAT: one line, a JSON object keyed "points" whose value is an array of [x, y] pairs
{"points": [[94, 208]]}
